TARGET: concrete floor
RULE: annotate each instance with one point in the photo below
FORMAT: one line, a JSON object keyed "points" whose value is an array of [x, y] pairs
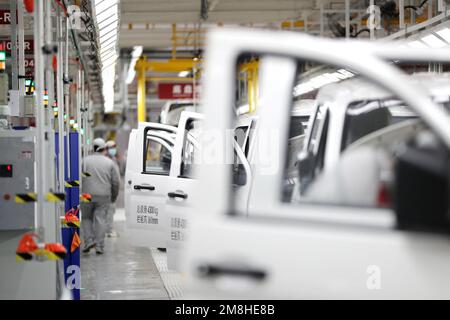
{"points": [[122, 272]]}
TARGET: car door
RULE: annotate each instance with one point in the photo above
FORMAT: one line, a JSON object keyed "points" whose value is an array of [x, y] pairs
{"points": [[181, 194], [147, 174], [183, 182], [310, 250], [242, 177]]}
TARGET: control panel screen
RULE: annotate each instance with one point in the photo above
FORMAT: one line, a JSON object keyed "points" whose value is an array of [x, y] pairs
{"points": [[6, 170]]}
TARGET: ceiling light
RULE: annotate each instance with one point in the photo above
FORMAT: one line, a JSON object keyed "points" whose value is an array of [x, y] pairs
{"points": [[444, 34], [108, 47], [417, 45], [107, 13], [137, 51], [108, 30], [108, 41], [345, 73], [433, 41], [103, 5], [107, 62], [103, 21], [183, 74], [108, 55], [320, 81], [135, 55], [107, 20]]}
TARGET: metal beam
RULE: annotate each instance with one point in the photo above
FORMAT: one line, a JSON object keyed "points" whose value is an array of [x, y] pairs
{"points": [[172, 65], [213, 17], [41, 150], [140, 72]]}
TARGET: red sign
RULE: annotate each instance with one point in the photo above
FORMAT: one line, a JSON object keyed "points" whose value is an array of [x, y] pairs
{"points": [[175, 91], [29, 63], [29, 67], [29, 46], [5, 17]]}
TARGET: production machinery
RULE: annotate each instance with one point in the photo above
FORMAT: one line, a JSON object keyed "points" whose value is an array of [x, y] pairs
{"points": [[44, 132], [26, 258]]}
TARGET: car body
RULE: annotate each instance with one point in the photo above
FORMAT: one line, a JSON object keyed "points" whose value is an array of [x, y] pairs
{"points": [[171, 111], [331, 135], [281, 250]]}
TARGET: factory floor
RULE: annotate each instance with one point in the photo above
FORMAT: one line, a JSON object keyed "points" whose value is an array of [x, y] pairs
{"points": [[126, 272]]}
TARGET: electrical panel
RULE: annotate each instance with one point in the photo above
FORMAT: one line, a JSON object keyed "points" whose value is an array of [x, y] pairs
{"points": [[14, 102], [17, 178], [30, 106]]}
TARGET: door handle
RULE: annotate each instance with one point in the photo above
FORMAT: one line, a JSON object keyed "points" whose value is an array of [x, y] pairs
{"points": [[208, 270], [177, 194], [138, 187]]}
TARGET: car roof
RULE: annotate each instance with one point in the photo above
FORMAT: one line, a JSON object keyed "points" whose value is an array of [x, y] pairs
{"points": [[303, 107], [360, 89]]}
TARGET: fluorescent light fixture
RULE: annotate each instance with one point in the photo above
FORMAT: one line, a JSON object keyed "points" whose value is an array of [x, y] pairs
{"points": [[103, 5], [106, 63], [106, 51], [417, 44], [433, 41], [243, 109], [107, 44], [321, 80], [110, 46], [444, 34], [108, 13], [108, 55], [108, 75], [107, 19], [135, 55], [347, 74], [108, 31], [137, 52], [183, 74], [130, 75]]}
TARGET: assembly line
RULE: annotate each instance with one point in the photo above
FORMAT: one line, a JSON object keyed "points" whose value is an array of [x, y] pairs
{"points": [[224, 150]]}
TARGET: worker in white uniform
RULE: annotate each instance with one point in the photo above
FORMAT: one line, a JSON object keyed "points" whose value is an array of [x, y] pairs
{"points": [[103, 185], [112, 154]]}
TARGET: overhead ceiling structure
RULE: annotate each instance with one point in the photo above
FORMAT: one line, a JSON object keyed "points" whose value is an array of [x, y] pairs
{"points": [[150, 22], [163, 24], [176, 29], [106, 16]]}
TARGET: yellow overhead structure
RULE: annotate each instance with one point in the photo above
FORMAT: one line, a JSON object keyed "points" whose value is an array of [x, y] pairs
{"points": [[292, 24], [170, 66], [178, 79], [141, 94], [251, 69]]}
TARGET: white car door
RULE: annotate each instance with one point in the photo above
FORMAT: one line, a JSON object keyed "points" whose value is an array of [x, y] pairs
{"points": [[181, 194], [183, 182], [147, 174], [306, 251], [242, 181]]}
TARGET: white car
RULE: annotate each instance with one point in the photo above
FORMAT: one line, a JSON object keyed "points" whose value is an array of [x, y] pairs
{"points": [[155, 178], [286, 250], [348, 115], [171, 111], [160, 182]]}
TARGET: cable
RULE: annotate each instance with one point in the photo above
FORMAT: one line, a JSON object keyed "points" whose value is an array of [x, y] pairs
{"points": [[63, 7], [361, 31], [416, 8]]}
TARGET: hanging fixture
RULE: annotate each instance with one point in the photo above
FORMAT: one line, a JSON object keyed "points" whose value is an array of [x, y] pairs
{"points": [[107, 21]]}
